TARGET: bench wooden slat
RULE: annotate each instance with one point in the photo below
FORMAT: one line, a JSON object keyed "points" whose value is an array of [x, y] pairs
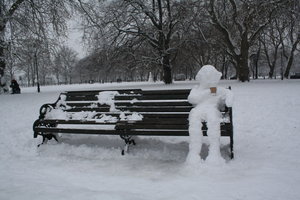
{"points": [[153, 126], [87, 104], [158, 132], [78, 131], [96, 92], [82, 98], [165, 115], [125, 103], [152, 103], [154, 97], [146, 115], [160, 92], [72, 121], [92, 95], [156, 109], [86, 109], [79, 94], [164, 121], [132, 109]]}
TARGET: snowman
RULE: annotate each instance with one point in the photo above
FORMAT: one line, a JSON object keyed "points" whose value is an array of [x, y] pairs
{"points": [[207, 99]]}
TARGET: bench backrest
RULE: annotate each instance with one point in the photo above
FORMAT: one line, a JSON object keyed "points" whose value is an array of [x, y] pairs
{"points": [[164, 112]]}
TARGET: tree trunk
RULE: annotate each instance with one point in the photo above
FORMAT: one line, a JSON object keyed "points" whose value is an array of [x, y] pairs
{"points": [[2, 61], [271, 72], [167, 74], [291, 58], [289, 65], [2, 49], [243, 69], [57, 77], [242, 59], [256, 62], [226, 71], [272, 65]]}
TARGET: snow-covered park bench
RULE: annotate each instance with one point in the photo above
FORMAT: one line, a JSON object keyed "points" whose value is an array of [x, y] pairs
{"points": [[126, 113]]}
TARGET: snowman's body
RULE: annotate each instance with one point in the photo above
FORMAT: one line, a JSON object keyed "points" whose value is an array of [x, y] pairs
{"points": [[207, 106]]}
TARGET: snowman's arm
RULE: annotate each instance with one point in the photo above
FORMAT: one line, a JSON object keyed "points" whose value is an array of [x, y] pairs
{"points": [[229, 98], [226, 95]]}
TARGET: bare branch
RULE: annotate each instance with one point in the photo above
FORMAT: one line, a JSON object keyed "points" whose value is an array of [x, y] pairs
{"points": [[14, 7], [233, 4], [220, 27]]}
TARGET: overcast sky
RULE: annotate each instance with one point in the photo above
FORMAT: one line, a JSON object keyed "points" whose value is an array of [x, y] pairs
{"points": [[74, 40]]}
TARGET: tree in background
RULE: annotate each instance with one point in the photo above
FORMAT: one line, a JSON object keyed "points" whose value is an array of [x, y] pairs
{"points": [[64, 64], [293, 17], [153, 22], [21, 20], [241, 23], [7, 10]]}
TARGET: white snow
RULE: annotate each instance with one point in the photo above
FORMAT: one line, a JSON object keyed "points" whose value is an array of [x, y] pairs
{"points": [[131, 116], [57, 114], [62, 102], [83, 115], [266, 165], [135, 117], [106, 118]]}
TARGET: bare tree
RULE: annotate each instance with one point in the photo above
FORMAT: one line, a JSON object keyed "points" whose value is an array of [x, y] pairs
{"points": [[294, 33], [153, 21], [240, 29], [24, 19], [7, 10], [64, 64], [271, 43]]}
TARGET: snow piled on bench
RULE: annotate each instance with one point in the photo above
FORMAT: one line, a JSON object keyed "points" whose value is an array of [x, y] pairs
{"points": [[131, 117], [266, 165], [107, 97]]}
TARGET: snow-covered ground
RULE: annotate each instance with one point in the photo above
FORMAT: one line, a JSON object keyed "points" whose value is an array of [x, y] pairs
{"points": [[266, 164]]}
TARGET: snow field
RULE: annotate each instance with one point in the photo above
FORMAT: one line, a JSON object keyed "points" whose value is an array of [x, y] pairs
{"points": [[266, 165]]}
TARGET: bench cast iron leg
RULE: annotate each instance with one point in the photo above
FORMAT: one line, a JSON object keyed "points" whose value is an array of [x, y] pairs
{"points": [[231, 147], [128, 141], [47, 137]]}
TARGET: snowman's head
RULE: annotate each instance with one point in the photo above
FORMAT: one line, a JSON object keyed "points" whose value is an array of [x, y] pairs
{"points": [[208, 76]]}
